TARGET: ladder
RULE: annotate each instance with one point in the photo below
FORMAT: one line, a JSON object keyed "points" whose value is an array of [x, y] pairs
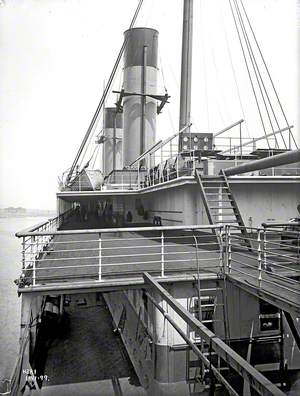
{"points": [[219, 203], [211, 305]]}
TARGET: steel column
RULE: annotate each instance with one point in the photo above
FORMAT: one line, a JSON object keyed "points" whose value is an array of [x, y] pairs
{"points": [[261, 384]]}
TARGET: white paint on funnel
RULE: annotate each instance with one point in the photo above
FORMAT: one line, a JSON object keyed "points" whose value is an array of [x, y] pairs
{"points": [[139, 135], [113, 135]]}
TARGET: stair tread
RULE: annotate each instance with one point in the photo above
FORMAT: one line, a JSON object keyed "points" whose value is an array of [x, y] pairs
{"points": [[214, 187], [222, 207], [217, 200], [213, 182], [229, 221]]}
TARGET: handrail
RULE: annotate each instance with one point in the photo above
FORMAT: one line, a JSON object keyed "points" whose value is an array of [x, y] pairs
{"points": [[265, 225], [159, 145], [228, 128], [109, 230], [145, 153], [251, 141], [31, 230]]}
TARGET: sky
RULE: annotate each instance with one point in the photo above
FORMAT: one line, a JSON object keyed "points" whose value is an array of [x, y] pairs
{"points": [[55, 56]]}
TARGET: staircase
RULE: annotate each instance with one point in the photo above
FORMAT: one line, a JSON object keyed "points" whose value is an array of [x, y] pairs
{"points": [[220, 205]]}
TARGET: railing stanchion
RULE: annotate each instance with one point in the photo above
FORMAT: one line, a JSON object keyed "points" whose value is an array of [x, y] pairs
{"points": [[229, 250], [221, 253], [265, 248], [23, 253], [100, 259], [138, 172], [259, 258], [194, 162], [37, 247], [33, 265], [162, 238]]}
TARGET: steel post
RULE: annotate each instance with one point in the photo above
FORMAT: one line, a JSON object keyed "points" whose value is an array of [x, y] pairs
{"points": [[100, 259], [162, 243], [229, 256], [259, 258]]}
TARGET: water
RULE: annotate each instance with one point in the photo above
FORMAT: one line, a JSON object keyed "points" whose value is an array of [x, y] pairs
{"points": [[10, 303]]}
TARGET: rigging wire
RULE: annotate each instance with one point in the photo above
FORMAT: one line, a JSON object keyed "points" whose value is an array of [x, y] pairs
{"points": [[165, 88], [87, 145], [97, 153], [258, 76], [249, 74], [268, 73], [233, 70], [108, 85]]}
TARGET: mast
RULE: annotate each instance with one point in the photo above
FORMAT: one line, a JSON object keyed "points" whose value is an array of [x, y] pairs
{"points": [[186, 65]]}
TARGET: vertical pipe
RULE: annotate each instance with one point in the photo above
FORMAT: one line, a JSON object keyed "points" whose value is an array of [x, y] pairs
{"points": [[186, 65]]}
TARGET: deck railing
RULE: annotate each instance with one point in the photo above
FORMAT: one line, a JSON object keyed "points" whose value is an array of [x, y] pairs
{"points": [[100, 254], [32, 245], [274, 257], [122, 253]]}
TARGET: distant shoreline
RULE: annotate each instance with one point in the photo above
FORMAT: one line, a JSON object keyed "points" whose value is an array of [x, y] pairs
{"points": [[28, 214]]}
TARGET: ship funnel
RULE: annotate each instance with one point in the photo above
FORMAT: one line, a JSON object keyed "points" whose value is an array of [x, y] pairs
{"points": [[140, 80], [112, 145]]}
